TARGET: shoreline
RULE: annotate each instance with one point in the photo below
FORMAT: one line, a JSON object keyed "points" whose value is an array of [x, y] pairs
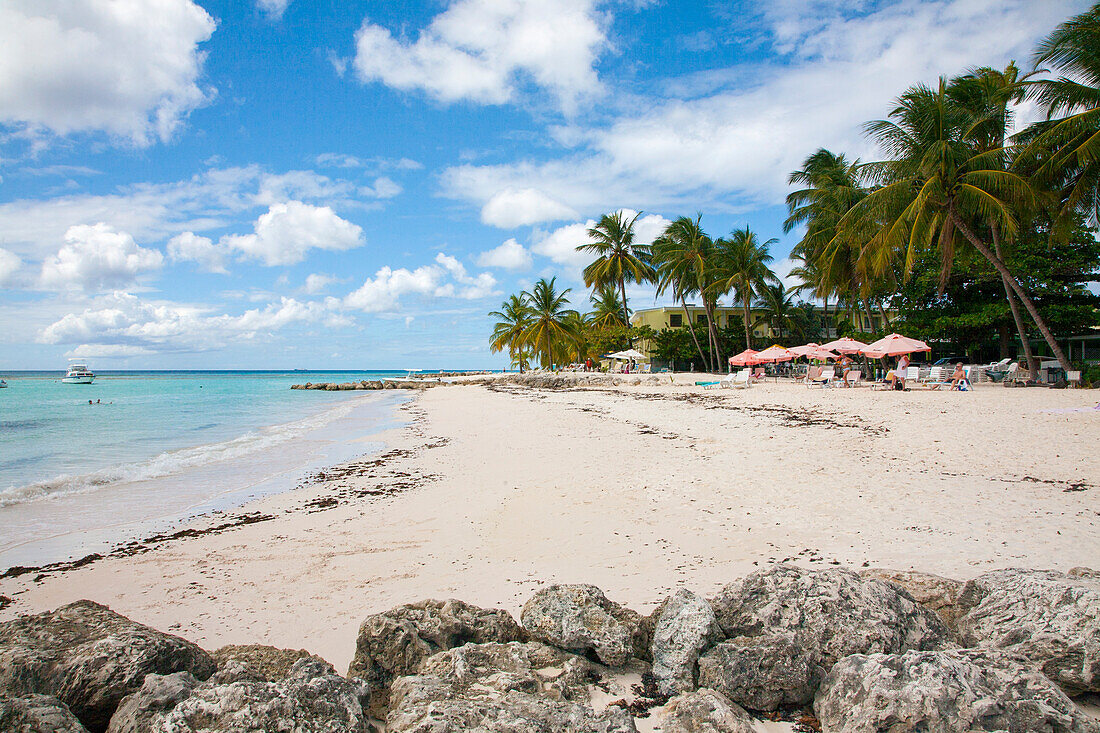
{"points": [[490, 492]]}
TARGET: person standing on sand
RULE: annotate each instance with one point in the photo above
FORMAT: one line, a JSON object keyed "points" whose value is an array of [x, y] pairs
{"points": [[897, 377], [845, 369]]}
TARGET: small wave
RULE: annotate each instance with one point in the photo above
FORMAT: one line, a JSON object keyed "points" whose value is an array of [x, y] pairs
{"points": [[171, 462]]}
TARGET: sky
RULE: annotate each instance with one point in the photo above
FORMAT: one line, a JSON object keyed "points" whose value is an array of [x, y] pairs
{"points": [[328, 184]]}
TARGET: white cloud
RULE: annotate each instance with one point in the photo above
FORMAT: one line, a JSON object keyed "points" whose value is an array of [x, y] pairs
{"points": [[511, 255], [122, 323], [9, 265], [130, 69], [483, 50], [273, 8], [837, 66], [98, 257], [383, 291], [383, 188], [561, 244], [289, 230], [190, 247], [447, 278], [317, 283], [514, 207]]}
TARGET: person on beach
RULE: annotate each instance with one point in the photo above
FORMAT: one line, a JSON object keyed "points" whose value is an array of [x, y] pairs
{"points": [[845, 368], [958, 377], [897, 377]]}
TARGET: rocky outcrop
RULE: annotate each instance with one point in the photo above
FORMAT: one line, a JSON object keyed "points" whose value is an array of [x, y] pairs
{"points": [[266, 662], [90, 658], [703, 711], [934, 592], [686, 625], [944, 692], [581, 619], [37, 714], [787, 626], [395, 642], [1051, 618], [312, 698], [503, 688]]}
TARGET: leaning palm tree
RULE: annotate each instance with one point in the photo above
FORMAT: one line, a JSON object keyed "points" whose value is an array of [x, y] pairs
{"points": [[937, 186], [1067, 150], [508, 332], [550, 320], [619, 258], [681, 256], [742, 261], [607, 309]]}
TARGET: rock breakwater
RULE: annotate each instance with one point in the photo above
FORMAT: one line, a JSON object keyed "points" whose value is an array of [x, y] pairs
{"points": [[830, 650]]}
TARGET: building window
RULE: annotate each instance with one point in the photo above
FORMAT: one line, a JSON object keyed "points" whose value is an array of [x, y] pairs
{"points": [[675, 320], [700, 318]]}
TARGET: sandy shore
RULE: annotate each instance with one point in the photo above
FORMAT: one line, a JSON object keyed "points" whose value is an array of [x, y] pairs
{"points": [[490, 492]]}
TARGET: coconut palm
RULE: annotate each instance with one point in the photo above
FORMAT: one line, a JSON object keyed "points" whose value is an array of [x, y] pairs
{"points": [[936, 185], [508, 332], [741, 262], [682, 256], [619, 259], [989, 95], [778, 308], [607, 309], [1068, 149], [549, 321]]}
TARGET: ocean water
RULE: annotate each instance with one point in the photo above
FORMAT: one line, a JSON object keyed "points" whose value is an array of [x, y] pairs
{"points": [[155, 448]]}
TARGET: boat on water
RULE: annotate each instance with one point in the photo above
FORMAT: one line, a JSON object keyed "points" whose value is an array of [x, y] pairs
{"points": [[3, 384], [78, 373]]}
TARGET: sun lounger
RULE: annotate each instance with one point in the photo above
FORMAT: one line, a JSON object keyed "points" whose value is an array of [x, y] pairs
{"points": [[935, 378], [740, 380], [825, 378], [811, 374], [708, 385], [855, 378]]}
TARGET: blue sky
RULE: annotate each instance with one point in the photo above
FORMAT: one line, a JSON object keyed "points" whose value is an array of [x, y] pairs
{"points": [[323, 184]]}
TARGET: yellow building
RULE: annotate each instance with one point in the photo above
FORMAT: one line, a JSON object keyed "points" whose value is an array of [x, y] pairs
{"points": [[732, 317]]}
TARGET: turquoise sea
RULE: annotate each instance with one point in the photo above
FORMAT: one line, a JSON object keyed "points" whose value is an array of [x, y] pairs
{"points": [[155, 448]]}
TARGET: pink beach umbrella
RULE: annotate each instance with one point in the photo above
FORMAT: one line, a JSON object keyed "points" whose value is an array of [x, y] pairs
{"points": [[773, 354], [805, 349], [744, 358], [845, 346], [822, 354], [894, 345]]}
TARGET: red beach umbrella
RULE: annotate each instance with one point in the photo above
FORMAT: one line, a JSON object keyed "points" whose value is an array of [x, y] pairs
{"points": [[773, 354], [893, 345], [744, 358], [845, 346]]}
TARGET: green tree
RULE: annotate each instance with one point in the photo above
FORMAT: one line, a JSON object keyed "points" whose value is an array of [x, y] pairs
{"points": [[619, 258], [779, 309], [607, 309], [683, 256], [550, 321], [509, 331], [741, 263]]}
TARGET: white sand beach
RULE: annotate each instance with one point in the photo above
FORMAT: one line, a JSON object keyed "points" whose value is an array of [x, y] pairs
{"points": [[489, 493]]}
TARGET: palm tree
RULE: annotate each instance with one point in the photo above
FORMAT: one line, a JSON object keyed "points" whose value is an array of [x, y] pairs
{"points": [[936, 185], [619, 259], [742, 267], [1068, 149], [550, 321], [508, 332], [607, 309], [779, 310], [988, 95], [681, 255]]}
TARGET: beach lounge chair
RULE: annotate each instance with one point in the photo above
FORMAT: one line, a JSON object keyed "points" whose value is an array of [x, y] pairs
{"points": [[708, 385], [855, 378], [811, 374], [825, 378], [935, 378], [740, 380], [965, 385]]}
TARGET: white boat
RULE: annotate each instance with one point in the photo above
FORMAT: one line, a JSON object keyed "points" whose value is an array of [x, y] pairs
{"points": [[78, 373], [3, 384]]}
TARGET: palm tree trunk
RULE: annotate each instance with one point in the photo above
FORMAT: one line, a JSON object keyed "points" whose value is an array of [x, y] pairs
{"points": [[1032, 362], [867, 312], [549, 358], [1009, 278], [827, 336], [691, 330], [712, 331], [885, 319], [626, 311], [748, 332]]}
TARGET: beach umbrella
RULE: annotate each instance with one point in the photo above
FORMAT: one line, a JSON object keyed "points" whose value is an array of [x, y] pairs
{"points": [[628, 354], [845, 346], [744, 358], [805, 349], [773, 354], [821, 353], [894, 345]]}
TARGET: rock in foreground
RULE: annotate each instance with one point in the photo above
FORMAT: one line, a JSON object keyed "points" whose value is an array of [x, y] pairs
{"points": [[1051, 618], [581, 619], [944, 692], [685, 626], [311, 699], [934, 592], [503, 688], [704, 711], [37, 714], [90, 658], [788, 626]]}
